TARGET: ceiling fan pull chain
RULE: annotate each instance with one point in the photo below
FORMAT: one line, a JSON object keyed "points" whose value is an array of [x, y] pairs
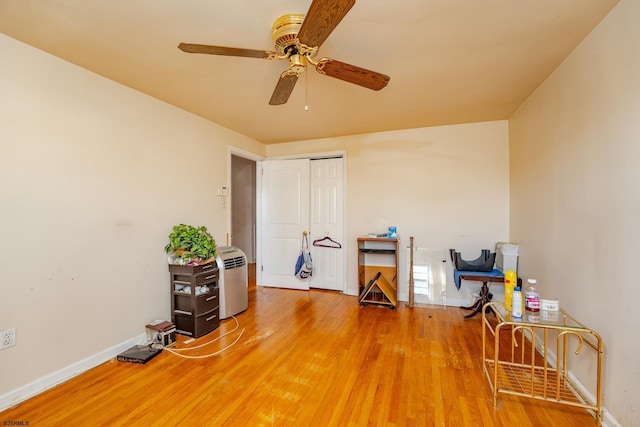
{"points": [[306, 91]]}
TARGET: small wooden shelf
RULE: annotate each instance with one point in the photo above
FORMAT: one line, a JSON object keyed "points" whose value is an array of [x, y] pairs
{"points": [[378, 271]]}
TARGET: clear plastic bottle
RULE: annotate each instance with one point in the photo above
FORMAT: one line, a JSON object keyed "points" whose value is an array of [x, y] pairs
{"points": [[531, 297], [516, 302], [510, 281]]}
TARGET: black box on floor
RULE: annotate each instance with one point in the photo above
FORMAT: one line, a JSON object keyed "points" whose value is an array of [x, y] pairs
{"points": [[139, 354]]}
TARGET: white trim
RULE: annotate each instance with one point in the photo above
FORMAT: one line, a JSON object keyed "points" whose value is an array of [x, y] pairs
{"points": [[235, 151], [311, 156], [457, 302], [27, 391], [347, 244], [608, 420], [259, 171], [242, 153]]}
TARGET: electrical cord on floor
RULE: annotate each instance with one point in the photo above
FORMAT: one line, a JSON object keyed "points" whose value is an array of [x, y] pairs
{"points": [[177, 351]]}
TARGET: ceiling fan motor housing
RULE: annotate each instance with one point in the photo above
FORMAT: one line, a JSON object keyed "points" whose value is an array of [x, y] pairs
{"points": [[284, 32]]}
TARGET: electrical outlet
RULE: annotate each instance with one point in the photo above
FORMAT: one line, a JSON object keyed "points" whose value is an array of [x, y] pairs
{"points": [[7, 338]]}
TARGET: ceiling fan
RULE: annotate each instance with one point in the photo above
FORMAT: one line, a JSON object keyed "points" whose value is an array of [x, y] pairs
{"points": [[297, 38]]}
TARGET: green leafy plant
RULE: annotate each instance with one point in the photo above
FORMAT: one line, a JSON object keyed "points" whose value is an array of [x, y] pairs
{"points": [[188, 244]]}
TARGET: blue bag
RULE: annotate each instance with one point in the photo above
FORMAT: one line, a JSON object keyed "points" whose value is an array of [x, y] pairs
{"points": [[304, 264]]}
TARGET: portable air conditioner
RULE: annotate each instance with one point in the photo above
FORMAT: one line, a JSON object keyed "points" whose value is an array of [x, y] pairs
{"points": [[233, 281]]}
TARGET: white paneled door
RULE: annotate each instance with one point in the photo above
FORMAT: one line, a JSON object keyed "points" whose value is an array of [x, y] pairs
{"points": [[302, 195], [327, 207], [285, 215]]}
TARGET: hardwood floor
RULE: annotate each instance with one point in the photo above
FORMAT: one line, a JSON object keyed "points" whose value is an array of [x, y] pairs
{"points": [[304, 359]]}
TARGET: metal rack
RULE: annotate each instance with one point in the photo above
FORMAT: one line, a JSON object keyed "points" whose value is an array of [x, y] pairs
{"points": [[522, 370]]}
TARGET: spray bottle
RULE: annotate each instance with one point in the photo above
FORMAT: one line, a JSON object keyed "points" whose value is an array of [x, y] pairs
{"points": [[510, 281]]}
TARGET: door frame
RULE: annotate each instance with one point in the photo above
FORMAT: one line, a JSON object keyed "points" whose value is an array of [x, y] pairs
{"points": [[234, 151], [310, 156]]}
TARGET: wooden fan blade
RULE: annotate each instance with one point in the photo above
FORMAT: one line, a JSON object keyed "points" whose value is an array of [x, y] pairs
{"points": [[226, 51], [352, 74], [284, 88], [321, 19]]}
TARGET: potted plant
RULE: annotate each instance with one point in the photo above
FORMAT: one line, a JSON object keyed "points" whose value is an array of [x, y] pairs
{"points": [[189, 245]]}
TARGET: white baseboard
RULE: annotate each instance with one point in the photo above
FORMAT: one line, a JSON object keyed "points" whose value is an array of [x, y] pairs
{"points": [[458, 302], [27, 391], [609, 420]]}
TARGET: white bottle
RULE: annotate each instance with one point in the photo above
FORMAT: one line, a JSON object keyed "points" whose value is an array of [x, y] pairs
{"points": [[516, 303]]}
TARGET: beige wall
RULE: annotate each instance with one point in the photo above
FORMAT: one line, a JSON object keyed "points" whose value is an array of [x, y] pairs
{"points": [[447, 186], [575, 195], [88, 192], [94, 175]]}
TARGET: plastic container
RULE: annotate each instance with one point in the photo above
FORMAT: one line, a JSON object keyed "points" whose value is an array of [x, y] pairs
{"points": [[550, 304], [516, 309], [510, 282], [531, 297], [507, 256]]}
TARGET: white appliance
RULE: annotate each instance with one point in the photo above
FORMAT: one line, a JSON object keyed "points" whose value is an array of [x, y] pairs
{"points": [[233, 281]]}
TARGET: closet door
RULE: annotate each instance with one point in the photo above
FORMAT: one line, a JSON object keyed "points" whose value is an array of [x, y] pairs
{"points": [[285, 215], [327, 211]]}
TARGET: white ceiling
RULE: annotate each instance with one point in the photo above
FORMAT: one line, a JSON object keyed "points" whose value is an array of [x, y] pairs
{"points": [[450, 61]]}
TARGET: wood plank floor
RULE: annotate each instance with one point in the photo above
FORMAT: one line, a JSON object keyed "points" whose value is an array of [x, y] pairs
{"points": [[304, 359]]}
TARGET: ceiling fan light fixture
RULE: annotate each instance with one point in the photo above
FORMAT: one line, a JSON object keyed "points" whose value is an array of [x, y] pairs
{"points": [[297, 63]]}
